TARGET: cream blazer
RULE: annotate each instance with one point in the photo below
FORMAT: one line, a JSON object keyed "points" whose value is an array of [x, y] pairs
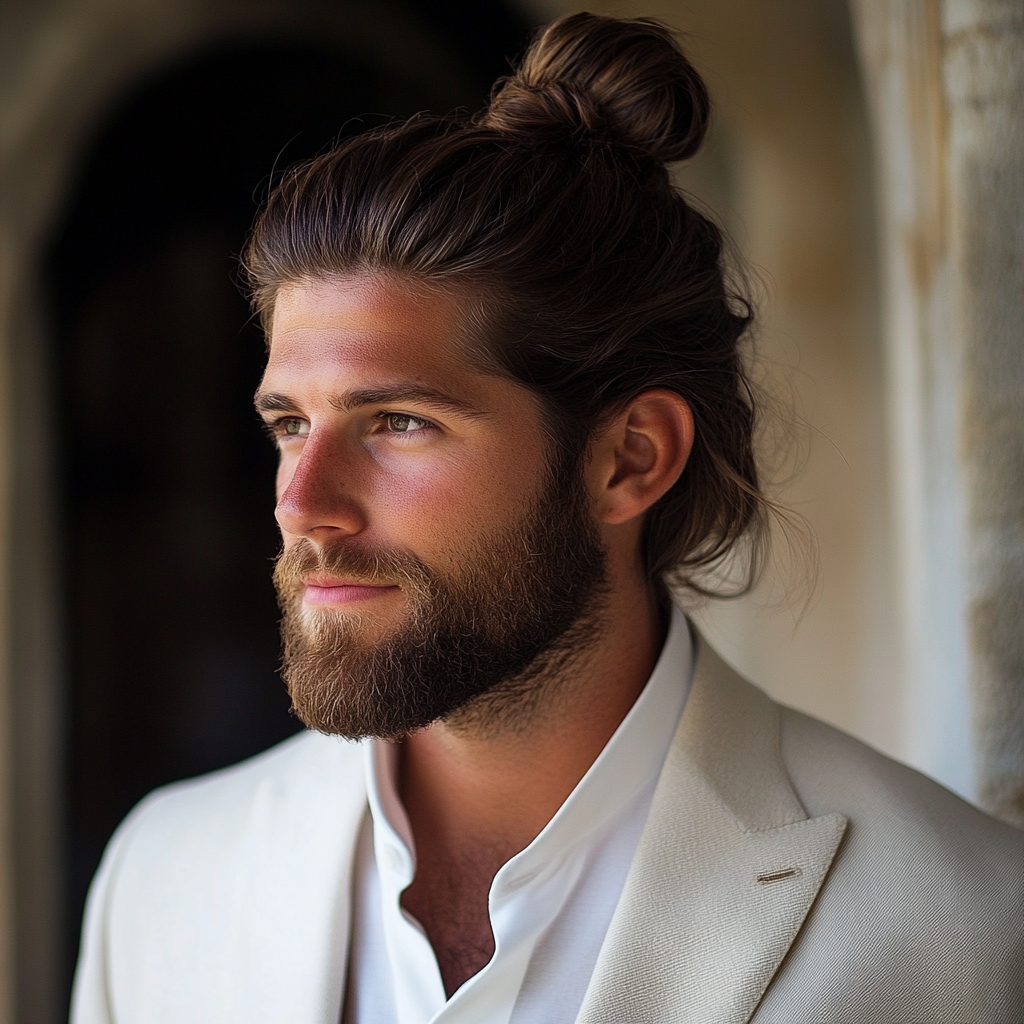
{"points": [[787, 875]]}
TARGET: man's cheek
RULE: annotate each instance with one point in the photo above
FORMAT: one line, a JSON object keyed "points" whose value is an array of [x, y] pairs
{"points": [[444, 525], [435, 493]]}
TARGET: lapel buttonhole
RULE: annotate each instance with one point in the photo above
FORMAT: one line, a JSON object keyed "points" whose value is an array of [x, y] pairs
{"points": [[777, 876]]}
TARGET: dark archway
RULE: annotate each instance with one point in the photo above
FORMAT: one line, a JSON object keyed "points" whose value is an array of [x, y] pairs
{"points": [[166, 481]]}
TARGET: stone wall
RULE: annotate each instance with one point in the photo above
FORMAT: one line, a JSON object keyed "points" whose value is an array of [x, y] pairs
{"points": [[947, 89]]}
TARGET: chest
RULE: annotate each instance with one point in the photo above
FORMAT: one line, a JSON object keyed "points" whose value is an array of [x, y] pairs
{"points": [[449, 899]]}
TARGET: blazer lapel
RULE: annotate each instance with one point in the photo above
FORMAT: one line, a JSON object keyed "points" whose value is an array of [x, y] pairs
{"points": [[727, 868]]}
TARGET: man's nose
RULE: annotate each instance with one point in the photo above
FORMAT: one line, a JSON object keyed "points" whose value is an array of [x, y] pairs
{"points": [[316, 500]]}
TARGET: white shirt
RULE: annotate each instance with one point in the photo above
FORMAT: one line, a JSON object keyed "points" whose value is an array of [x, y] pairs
{"points": [[550, 905]]}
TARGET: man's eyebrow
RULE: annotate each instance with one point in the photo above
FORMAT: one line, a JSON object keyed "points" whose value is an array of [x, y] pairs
{"points": [[397, 393], [269, 401]]}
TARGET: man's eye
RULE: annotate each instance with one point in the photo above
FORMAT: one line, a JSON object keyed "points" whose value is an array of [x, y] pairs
{"points": [[291, 427], [402, 423]]}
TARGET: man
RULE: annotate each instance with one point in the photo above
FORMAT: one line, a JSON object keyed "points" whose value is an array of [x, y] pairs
{"points": [[505, 385]]}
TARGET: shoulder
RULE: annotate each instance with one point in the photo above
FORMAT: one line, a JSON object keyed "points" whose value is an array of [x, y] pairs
{"points": [[200, 828], [193, 835], [925, 899], [236, 880], [909, 839], [887, 801], [302, 769], [919, 914]]}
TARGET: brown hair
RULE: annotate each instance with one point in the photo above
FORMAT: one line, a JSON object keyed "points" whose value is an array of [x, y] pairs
{"points": [[597, 280]]}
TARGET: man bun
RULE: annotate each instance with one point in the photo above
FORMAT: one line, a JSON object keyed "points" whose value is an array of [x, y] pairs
{"points": [[624, 80]]}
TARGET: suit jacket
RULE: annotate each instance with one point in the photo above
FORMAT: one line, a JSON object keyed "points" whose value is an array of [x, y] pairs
{"points": [[787, 874]]}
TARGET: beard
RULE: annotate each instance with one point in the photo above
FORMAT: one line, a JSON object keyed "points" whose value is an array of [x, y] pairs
{"points": [[482, 642]]}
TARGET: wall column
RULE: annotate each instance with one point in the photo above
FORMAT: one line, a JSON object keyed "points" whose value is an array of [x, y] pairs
{"points": [[945, 82]]}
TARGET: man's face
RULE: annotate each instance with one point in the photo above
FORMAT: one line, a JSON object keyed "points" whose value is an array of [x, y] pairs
{"points": [[433, 557]]}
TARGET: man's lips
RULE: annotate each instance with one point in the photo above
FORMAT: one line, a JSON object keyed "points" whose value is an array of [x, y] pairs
{"points": [[326, 591]]}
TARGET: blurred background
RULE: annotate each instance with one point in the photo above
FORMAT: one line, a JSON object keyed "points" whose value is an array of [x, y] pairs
{"points": [[866, 155]]}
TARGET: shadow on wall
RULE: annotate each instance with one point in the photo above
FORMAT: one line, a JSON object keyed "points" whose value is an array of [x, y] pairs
{"points": [[166, 482]]}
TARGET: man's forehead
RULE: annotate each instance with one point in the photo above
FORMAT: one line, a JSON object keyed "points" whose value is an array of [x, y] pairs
{"points": [[366, 306], [371, 333]]}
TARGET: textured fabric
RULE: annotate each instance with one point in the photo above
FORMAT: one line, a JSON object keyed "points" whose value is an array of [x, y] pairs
{"points": [[941, 935], [697, 936], [550, 904], [789, 874], [786, 874]]}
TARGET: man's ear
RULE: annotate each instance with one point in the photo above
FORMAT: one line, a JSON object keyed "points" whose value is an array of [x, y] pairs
{"points": [[637, 456]]}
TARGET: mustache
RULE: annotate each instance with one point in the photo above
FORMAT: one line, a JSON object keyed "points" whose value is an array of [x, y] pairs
{"points": [[348, 561]]}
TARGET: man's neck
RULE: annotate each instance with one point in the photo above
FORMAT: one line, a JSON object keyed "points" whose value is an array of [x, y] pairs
{"points": [[503, 785], [477, 796]]}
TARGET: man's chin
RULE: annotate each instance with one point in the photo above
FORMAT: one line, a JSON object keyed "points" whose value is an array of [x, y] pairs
{"points": [[356, 628]]}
